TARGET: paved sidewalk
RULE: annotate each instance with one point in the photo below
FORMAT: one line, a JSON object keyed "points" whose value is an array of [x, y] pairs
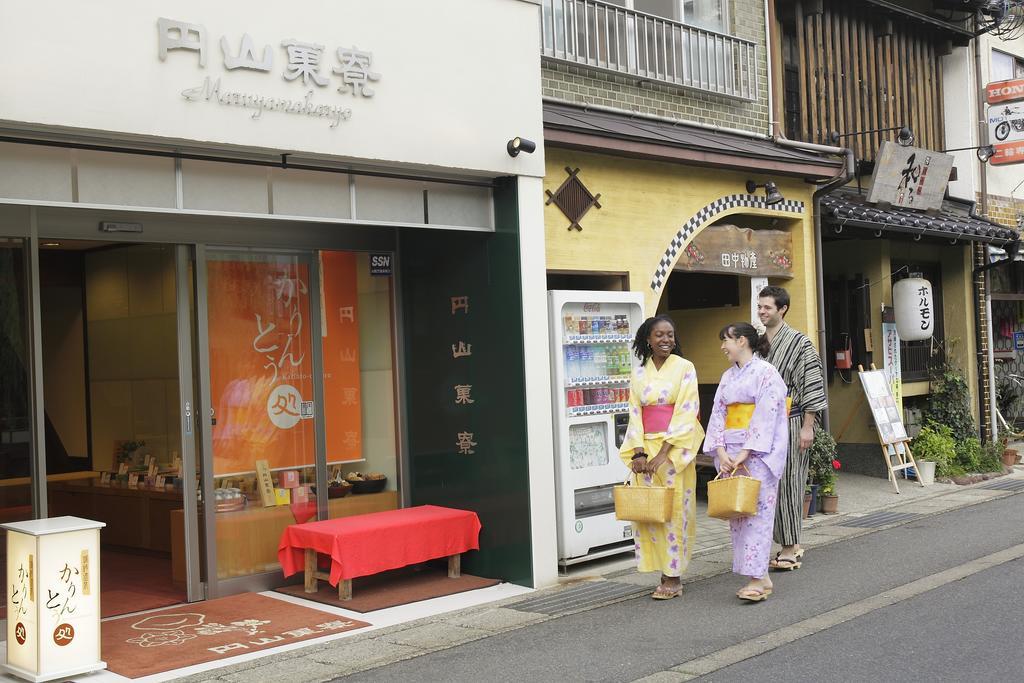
{"points": [[364, 652]]}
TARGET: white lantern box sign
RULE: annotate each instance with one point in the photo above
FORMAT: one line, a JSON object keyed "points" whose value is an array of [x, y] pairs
{"points": [[53, 588], [915, 312]]}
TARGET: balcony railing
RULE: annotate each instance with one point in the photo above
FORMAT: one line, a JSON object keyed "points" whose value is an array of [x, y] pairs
{"points": [[624, 41]]}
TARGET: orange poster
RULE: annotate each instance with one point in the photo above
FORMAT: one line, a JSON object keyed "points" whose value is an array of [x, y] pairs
{"points": [[261, 377], [340, 329]]}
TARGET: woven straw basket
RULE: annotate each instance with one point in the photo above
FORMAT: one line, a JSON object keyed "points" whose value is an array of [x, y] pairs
{"points": [[734, 496], [639, 503]]}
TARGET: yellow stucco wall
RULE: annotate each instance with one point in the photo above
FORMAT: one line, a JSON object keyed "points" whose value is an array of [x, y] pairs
{"points": [[643, 205], [850, 419]]}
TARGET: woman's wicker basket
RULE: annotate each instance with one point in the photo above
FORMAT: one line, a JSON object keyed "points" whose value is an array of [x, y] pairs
{"points": [[646, 504], [733, 496]]}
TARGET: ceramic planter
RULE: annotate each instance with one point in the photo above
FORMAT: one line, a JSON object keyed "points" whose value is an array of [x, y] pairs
{"points": [[829, 504], [814, 500], [1009, 457]]}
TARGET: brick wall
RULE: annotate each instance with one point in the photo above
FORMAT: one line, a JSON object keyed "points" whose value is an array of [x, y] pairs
{"points": [[583, 85], [1004, 210]]}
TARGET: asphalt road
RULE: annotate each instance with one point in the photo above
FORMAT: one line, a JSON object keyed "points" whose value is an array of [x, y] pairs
{"points": [[969, 630], [965, 630]]}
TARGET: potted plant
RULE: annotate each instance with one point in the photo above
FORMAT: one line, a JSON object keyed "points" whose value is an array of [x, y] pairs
{"points": [[822, 471], [935, 452]]}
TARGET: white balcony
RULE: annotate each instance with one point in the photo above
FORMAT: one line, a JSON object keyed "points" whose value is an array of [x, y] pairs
{"points": [[623, 41]]}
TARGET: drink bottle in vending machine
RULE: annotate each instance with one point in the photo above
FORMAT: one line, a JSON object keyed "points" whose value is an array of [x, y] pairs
{"points": [[592, 333]]}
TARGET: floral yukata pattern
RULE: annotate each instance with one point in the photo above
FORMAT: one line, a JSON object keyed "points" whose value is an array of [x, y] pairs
{"points": [[667, 547], [767, 439]]}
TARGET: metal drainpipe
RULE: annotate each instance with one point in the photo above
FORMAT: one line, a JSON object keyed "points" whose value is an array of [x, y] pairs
{"points": [[841, 179], [978, 280]]}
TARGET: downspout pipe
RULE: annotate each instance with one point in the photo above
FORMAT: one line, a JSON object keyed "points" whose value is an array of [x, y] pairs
{"points": [[842, 178]]}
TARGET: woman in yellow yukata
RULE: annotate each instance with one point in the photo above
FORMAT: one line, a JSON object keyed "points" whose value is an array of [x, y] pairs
{"points": [[660, 446]]}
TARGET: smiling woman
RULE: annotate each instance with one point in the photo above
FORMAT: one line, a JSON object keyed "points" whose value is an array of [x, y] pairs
{"points": [[660, 447]]}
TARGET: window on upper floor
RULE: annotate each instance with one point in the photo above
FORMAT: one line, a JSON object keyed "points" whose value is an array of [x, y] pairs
{"points": [[1006, 66], [708, 14]]}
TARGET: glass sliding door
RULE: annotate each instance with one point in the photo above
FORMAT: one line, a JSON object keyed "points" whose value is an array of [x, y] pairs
{"points": [[261, 388], [359, 384], [116, 451], [15, 406]]}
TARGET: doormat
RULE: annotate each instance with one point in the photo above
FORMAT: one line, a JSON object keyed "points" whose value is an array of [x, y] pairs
{"points": [[390, 589], [174, 638]]}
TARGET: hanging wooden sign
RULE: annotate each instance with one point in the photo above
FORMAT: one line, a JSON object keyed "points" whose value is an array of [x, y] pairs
{"points": [[739, 251]]}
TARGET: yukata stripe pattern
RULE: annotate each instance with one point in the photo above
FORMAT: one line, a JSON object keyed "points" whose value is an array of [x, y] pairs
{"points": [[667, 547], [798, 362]]}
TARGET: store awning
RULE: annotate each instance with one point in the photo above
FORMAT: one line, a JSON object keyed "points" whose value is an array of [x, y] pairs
{"points": [[634, 136], [954, 221]]}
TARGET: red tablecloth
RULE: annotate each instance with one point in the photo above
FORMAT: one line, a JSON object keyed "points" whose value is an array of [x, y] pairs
{"points": [[367, 544]]}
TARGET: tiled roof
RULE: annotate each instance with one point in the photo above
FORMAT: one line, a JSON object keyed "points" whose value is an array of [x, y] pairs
{"points": [[953, 221], [745, 151]]}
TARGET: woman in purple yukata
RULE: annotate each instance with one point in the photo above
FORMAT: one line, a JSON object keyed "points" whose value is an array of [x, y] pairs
{"points": [[749, 430]]}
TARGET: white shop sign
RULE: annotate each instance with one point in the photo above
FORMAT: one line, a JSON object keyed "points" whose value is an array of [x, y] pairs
{"points": [[411, 83], [910, 177], [53, 598], [1006, 123]]}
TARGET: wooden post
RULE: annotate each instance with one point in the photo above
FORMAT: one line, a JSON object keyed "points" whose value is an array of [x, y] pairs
{"points": [[454, 566], [345, 589], [311, 586]]}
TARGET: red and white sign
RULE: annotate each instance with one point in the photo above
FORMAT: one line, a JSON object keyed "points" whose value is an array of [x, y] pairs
{"points": [[1005, 91], [1008, 153]]}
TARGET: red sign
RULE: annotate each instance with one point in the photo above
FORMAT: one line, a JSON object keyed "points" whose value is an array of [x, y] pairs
{"points": [[20, 634], [1008, 153], [1005, 91], [64, 634]]}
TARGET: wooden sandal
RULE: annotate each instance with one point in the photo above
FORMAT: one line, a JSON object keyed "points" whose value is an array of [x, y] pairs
{"points": [[660, 593], [776, 563], [754, 594]]}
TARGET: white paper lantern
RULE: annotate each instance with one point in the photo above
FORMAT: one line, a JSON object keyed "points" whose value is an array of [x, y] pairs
{"points": [[915, 313]]}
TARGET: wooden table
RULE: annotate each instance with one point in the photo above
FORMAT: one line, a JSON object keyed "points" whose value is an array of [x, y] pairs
{"points": [[369, 544]]}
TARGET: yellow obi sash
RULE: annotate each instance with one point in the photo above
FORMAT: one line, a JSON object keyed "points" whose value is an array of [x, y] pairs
{"points": [[738, 415]]}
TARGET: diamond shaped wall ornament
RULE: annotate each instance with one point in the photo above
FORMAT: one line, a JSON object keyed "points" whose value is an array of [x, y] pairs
{"points": [[573, 198]]}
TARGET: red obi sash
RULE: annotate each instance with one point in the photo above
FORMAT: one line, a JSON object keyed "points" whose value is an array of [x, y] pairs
{"points": [[657, 418]]}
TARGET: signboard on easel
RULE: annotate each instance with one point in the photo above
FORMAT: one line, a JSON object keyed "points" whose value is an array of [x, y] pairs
{"points": [[892, 435]]}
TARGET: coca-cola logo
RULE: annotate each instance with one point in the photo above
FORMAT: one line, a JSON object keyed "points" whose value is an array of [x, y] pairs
{"points": [[20, 633], [64, 634]]}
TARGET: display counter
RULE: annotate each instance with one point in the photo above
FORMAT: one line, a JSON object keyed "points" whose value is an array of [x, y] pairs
{"points": [[135, 517]]}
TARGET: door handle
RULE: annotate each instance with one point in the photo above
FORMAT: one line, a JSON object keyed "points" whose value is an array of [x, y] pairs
{"points": [[188, 417]]}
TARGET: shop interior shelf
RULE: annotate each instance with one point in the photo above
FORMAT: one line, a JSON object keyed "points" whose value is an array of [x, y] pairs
{"points": [[596, 381], [604, 409], [575, 339]]}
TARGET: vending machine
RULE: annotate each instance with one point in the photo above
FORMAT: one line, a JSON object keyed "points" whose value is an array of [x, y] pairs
{"points": [[591, 363]]}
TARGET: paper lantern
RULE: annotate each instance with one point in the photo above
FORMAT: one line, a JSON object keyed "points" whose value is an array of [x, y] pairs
{"points": [[915, 314]]}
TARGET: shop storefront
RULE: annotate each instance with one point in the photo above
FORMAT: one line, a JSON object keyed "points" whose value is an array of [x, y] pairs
{"points": [[868, 249], [246, 256], [674, 219]]}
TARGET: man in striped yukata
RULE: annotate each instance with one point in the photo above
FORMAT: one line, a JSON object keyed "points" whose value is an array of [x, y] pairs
{"points": [[798, 362]]}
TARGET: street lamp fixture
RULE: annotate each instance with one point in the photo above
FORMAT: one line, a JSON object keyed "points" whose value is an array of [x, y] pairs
{"points": [[905, 136], [518, 144], [984, 152], [771, 191]]}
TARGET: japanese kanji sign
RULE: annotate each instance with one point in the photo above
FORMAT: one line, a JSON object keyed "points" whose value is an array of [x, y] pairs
{"points": [[739, 251], [52, 605], [346, 70], [910, 177]]}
